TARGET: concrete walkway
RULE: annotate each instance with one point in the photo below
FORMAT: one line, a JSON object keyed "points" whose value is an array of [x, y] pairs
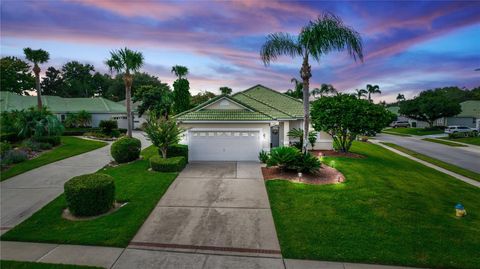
{"points": [[213, 207], [445, 171], [119, 258], [24, 194]]}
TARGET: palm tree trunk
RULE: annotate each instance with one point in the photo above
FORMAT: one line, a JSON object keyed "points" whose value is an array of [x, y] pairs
{"points": [[306, 74], [36, 70], [128, 97]]}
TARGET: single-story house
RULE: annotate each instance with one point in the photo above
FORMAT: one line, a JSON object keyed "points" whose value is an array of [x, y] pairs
{"points": [[100, 108], [470, 116], [238, 127], [138, 120]]}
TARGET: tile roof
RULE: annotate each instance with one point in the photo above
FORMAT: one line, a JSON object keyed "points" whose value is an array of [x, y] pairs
{"points": [[11, 101], [261, 103], [470, 109]]}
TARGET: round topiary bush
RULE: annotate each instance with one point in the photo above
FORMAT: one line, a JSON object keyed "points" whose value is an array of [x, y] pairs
{"points": [[90, 195], [126, 149]]}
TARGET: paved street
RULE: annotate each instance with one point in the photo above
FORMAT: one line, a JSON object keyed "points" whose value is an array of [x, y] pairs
{"points": [[468, 158]]}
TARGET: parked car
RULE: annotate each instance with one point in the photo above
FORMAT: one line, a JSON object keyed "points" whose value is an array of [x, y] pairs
{"points": [[459, 129], [397, 124]]}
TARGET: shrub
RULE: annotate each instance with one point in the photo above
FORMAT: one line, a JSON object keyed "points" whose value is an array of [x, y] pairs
{"points": [[79, 131], [463, 134], [52, 140], [176, 151], [312, 138], [107, 126], [174, 164], [14, 156], [36, 146], [306, 163], [90, 195], [126, 149], [283, 157], [263, 156], [4, 148]]}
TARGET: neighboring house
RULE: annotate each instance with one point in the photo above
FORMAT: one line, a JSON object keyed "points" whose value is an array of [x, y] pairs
{"points": [[137, 120], [238, 127], [470, 116], [413, 122], [100, 108]]}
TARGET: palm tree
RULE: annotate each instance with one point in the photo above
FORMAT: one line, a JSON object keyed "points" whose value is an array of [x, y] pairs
{"points": [[326, 89], [372, 89], [317, 38], [180, 71], [400, 97], [315, 92], [360, 93], [37, 57], [126, 61]]}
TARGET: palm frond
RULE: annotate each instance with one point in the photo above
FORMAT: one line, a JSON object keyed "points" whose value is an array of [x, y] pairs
{"points": [[125, 60], [36, 56], [279, 44]]}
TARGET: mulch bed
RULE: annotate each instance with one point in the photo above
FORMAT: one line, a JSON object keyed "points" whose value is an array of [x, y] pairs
{"points": [[333, 153], [69, 216], [326, 175]]}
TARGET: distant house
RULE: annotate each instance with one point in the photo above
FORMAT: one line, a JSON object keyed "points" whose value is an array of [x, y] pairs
{"points": [[413, 122], [470, 116], [100, 108], [138, 120], [237, 127]]}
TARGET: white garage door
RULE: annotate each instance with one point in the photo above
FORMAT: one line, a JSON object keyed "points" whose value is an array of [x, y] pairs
{"points": [[224, 145]]}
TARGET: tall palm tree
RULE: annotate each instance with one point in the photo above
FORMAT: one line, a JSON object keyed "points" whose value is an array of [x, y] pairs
{"points": [[37, 57], [317, 38], [180, 71], [126, 61], [372, 89], [360, 93]]}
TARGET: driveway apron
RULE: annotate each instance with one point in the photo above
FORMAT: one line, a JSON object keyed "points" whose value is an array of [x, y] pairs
{"points": [[213, 207]]}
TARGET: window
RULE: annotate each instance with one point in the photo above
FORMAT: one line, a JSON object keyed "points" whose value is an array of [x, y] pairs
{"points": [[62, 117]]}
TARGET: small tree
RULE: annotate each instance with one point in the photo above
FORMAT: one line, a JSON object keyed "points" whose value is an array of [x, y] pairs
{"points": [[163, 132], [344, 117], [84, 118], [312, 138], [429, 106]]}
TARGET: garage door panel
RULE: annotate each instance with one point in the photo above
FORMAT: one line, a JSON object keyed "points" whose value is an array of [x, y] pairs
{"points": [[224, 145]]}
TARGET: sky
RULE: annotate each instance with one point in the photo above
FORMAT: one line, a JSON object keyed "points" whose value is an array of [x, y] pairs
{"points": [[409, 46]]}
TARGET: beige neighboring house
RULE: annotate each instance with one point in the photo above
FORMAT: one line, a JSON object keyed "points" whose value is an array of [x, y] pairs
{"points": [[238, 127]]}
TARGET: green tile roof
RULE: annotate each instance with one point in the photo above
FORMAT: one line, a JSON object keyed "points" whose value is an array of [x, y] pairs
{"points": [[470, 109], [394, 109], [261, 103], [11, 101]]}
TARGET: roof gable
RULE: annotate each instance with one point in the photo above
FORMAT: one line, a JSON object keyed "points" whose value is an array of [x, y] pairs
{"points": [[225, 103]]}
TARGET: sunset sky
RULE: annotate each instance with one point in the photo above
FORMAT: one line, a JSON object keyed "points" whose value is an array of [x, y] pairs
{"points": [[409, 46]]}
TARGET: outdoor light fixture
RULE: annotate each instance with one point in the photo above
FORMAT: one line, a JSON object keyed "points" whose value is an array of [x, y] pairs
{"points": [[460, 210]]}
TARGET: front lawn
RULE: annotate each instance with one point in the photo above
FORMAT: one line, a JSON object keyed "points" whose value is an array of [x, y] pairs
{"points": [[134, 184], [70, 146], [447, 143], [390, 210], [36, 265], [413, 131], [468, 140]]}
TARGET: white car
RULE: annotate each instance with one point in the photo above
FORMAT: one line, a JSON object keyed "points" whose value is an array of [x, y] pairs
{"points": [[459, 129]]}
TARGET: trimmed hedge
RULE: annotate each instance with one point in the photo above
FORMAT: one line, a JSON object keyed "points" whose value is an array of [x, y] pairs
{"points": [[90, 195], [176, 151], [52, 140], [126, 149], [174, 164]]}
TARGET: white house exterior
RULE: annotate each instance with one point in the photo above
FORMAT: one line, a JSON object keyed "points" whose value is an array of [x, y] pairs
{"points": [[238, 127]]}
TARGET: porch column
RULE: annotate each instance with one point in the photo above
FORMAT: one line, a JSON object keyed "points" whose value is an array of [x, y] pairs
{"points": [[286, 128]]}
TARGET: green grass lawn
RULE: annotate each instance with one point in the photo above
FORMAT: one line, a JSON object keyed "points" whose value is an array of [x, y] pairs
{"points": [[412, 131], [390, 210], [468, 140], [447, 143], [444, 165], [70, 146], [35, 265], [142, 189]]}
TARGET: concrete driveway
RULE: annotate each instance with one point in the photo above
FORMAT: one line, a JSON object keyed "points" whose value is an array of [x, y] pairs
{"points": [[216, 208], [467, 158], [25, 194]]}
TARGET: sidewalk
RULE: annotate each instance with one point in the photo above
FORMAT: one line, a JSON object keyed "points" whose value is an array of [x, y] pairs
{"points": [[129, 258]]}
